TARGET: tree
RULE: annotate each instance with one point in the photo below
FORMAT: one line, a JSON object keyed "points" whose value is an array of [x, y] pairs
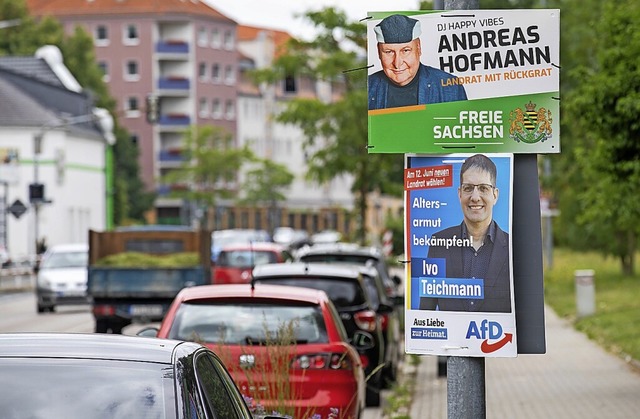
{"points": [[266, 182], [336, 132], [605, 106], [209, 169]]}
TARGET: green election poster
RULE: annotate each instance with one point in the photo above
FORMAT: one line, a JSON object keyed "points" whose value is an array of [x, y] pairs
{"points": [[464, 81]]}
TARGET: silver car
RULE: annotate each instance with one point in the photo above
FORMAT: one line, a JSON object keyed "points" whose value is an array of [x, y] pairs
{"points": [[62, 276]]}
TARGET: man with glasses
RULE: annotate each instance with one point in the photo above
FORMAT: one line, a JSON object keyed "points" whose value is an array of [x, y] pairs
{"points": [[485, 253]]}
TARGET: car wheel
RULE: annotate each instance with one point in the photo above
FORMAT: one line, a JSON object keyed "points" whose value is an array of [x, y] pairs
{"points": [[373, 395], [390, 374], [41, 308], [102, 326]]}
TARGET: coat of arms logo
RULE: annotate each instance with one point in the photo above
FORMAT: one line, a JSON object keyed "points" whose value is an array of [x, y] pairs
{"points": [[530, 126]]}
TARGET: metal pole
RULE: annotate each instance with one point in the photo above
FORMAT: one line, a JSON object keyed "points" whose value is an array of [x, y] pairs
{"points": [[37, 148], [465, 375]]}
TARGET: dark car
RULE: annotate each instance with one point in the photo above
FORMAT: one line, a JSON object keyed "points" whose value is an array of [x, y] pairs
{"points": [[389, 322], [347, 289], [58, 375], [352, 253], [386, 287]]}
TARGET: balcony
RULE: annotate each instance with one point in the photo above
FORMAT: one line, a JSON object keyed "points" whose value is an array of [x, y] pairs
{"points": [[174, 83], [172, 47], [174, 119], [172, 155], [165, 190]]}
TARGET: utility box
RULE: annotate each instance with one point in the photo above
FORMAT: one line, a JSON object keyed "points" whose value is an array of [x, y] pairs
{"points": [[585, 292]]}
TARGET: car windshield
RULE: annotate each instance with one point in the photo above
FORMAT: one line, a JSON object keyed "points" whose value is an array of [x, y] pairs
{"points": [[246, 258], [66, 260], [63, 389], [249, 323], [343, 293]]}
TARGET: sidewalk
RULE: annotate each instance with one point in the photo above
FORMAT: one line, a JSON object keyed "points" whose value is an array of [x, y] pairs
{"points": [[574, 379]]}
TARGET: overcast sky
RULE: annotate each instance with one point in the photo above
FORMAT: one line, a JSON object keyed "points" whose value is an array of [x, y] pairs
{"points": [[280, 14]]}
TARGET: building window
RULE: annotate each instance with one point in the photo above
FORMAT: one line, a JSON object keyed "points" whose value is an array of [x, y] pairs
{"points": [[230, 109], [132, 107], [228, 40], [289, 84], [215, 38], [101, 36], [216, 109], [202, 71], [202, 36], [104, 67], [215, 73], [130, 35], [134, 139], [132, 73], [203, 108], [229, 75]]}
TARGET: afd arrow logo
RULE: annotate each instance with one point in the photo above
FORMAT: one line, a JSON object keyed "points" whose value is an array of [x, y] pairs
{"points": [[487, 347], [489, 331]]}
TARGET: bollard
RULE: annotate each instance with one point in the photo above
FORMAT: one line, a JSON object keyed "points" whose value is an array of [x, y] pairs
{"points": [[585, 292]]}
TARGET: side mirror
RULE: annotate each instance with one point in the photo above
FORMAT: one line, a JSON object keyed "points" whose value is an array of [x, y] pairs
{"points": [[150, 332], [362, 341]]}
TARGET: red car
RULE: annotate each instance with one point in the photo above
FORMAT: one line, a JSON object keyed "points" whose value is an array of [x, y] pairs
{"points": [[285, 347], [235, 262]]}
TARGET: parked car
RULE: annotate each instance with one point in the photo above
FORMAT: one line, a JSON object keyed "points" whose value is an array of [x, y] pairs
{"points": [[385, 291], [390, 322], [352, 253], [61, 276], [347, 288], [221, 238], [285, 347], [236, 261], [57, 375]]}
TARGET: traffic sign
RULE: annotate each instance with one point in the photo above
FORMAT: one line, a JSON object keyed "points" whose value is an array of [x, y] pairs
{"points": [[17, 208]]}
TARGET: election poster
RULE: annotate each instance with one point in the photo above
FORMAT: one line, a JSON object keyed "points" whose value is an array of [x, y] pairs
{"points": [[451, 81], [458, 217]]}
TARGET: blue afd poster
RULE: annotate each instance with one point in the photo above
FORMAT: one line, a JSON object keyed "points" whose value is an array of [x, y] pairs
{"points": [[458, 242]]}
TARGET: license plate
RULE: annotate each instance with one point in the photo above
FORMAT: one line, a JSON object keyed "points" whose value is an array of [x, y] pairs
{"points": [[146, 310], [70, 294]]}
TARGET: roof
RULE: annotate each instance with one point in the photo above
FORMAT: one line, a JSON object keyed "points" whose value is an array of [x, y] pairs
{"points": [[254, 246], [39, 91], [89, 346], [301, 269], [262, 291], [123, 7], [280, 37], [33, 67], [341, 248], [19, 109]]}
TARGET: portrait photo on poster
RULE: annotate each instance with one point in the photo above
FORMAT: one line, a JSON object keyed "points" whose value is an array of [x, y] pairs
{"points": [[404, 80], [458, 232]]}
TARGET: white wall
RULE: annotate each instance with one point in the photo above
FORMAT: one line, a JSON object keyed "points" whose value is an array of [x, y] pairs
{"points": [[72, 169]]}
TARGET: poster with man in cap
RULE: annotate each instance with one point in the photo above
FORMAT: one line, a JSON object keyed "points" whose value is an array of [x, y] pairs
{"points": [[404, 80], [444, 81]]}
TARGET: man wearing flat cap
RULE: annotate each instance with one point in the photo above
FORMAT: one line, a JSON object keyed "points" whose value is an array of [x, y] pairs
{"points": [[404, 80]]}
